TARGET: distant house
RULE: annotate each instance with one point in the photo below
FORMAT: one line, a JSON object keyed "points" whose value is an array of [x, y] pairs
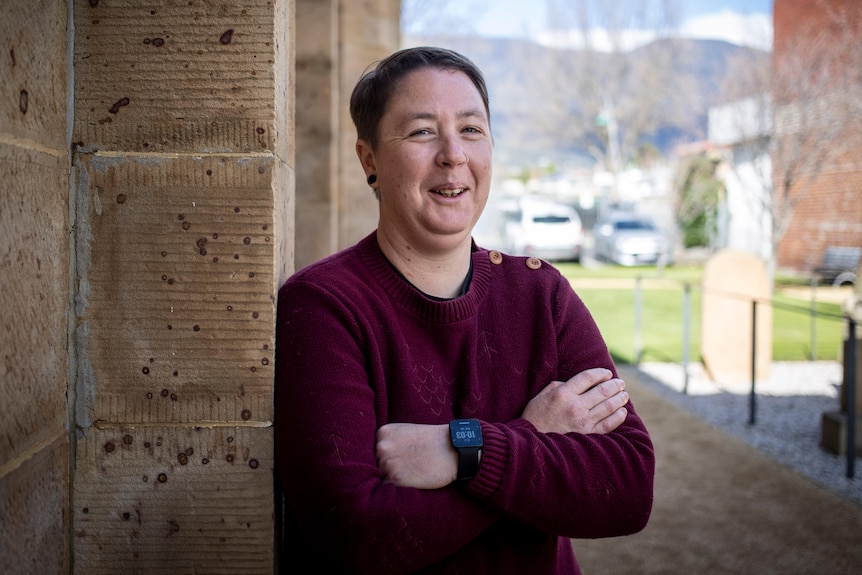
{"points": [[742, 131], [817, 148]]}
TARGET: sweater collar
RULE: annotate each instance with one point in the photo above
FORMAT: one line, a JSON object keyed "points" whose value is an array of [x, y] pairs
{"points": [[394, 286]]}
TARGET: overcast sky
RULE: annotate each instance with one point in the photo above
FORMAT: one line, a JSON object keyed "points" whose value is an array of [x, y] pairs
{"points": [[744, 22]]}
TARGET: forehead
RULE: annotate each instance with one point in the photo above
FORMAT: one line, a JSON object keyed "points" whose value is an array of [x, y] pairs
{"points": [[432, 90]]}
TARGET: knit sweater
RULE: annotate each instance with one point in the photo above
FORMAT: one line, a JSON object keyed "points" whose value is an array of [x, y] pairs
{"points": [[359, 347]]}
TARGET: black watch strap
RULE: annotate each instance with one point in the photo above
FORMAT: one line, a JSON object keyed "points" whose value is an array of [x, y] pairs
{"points": [[468, 462], [466, 437]]}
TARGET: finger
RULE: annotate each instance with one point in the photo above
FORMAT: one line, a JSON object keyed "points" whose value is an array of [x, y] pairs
{"points": [[589, 378], [605, 390], [606, 407], [613, 421]]}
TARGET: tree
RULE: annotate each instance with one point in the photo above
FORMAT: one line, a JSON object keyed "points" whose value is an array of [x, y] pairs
{"points": [[698, 200], [609, 96]]}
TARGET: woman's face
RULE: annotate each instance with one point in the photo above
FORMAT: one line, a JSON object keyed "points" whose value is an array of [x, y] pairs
{"points": [[432, 160]]}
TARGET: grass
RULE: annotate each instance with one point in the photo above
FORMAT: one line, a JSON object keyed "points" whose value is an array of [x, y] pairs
{"points": [[792, 330], [609, 293]]}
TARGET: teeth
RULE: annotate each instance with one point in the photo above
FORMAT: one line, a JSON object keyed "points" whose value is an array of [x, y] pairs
{"points": [[450, 193]]}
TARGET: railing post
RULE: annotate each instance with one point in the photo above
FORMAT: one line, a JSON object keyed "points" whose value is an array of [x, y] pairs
{"points": [[850, 382], [812, 355], [686, 334], [752, 418], [638, 312]]}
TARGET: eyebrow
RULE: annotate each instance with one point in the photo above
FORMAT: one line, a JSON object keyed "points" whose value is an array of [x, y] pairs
{"points": [[461, 116]]}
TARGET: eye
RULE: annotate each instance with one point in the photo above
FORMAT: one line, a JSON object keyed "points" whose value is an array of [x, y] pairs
{"points": [[421, 132], [473, 131]]}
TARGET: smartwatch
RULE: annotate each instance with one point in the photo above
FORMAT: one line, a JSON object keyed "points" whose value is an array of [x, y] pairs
{"points": [[466, 437]]}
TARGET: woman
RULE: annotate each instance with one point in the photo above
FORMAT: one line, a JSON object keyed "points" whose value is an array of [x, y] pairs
{"points": [[440, 407]]}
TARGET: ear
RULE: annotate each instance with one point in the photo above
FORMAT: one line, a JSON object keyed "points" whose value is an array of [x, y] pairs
{"points": [[366, 157]]}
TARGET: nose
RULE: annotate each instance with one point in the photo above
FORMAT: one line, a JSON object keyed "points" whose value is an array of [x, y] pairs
{"points": [[451, 152]]}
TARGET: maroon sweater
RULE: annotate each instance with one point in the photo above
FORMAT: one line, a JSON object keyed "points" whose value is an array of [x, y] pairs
{"points": [[359, 347]]}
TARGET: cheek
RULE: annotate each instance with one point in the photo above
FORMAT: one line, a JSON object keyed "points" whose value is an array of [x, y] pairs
{"points": [[402, 170], [482, 170], [481, 156]]}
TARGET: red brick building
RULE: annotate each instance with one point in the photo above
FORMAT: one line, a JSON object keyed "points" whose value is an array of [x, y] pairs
{"points": [[817, 147]]}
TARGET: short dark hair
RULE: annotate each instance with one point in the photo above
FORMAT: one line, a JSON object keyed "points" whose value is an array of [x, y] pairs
{"points": [[372, 93]]}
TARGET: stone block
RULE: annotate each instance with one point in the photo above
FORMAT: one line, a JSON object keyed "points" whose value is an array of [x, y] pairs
{"points": [[315, 238], [284, 221], [174, 500], [33, 71], [184, 76], [284, 97], [177, 275], [833, 436], [34, 507], [34, 281]]}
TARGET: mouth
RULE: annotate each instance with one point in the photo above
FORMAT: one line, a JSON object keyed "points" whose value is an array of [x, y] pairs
{"points": [[449, 192]]}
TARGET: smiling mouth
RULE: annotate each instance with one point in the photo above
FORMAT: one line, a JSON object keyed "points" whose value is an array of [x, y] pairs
{"points": [[450, 193]]}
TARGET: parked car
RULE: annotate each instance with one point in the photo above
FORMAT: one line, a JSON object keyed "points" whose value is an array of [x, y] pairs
{"points": [[542, 228], [629, 239]]}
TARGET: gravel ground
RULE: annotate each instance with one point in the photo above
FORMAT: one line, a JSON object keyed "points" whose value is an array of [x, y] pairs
{"points": [[788, 412]]}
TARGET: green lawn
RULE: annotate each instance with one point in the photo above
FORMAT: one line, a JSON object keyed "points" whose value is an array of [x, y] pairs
{"points": [[612, 303]]}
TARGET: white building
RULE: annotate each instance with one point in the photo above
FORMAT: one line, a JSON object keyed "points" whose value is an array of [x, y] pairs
{"points": [[744, 128]]}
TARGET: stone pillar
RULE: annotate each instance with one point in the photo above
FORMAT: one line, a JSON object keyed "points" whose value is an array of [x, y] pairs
{"points": [[336, 41], [369, 31], [34, 287], [183, 158], [317, 129]]}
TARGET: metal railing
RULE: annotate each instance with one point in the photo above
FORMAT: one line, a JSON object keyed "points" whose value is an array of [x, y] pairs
{"points": [[849, 351]]}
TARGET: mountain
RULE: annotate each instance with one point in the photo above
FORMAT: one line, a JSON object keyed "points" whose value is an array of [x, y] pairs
{"points": [[545, 102]]}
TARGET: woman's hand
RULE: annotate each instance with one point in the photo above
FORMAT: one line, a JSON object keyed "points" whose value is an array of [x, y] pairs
{"points": [[416, 455], [589, 402]]}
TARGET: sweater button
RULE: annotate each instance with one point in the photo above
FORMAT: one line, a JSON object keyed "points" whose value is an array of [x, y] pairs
{"points": [[534, 263], [495, 257]]}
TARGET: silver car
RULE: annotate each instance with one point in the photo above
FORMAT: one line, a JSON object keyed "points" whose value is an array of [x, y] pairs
{"points": [[629, 239], [542, 228]]}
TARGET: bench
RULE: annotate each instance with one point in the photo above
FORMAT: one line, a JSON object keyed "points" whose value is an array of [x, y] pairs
{"points": [[839, 265]]}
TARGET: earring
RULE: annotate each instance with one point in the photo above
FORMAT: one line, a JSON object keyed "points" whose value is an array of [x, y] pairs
{"points": [[372, 179]]}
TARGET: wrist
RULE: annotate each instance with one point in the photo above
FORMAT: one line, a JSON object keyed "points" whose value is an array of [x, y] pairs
{"points": [[465, 436]]}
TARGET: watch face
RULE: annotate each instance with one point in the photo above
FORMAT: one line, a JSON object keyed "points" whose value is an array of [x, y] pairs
{"points": [[466, 433]]}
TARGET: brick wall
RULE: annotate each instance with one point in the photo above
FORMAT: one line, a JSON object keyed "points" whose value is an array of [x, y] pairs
{"points": [[830, 215], [815, 46]]}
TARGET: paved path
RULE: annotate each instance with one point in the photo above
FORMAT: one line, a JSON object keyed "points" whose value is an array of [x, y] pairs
{"points": [[723, 507]]}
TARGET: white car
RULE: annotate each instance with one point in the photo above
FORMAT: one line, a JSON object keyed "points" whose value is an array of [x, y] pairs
{"points": [[542, 228], [629, 239]]}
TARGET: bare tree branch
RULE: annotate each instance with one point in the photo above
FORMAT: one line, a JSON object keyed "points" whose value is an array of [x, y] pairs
{"points": [[607, 95]]}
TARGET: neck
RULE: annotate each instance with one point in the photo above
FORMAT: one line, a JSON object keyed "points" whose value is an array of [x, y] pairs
{"points": [[439, 274]]}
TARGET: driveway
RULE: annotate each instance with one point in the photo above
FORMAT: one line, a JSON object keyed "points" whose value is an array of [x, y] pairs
{"points": [[723, 507]]}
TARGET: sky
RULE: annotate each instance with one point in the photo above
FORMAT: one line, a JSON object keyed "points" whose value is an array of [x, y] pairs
{"points": [[744, 22]]}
